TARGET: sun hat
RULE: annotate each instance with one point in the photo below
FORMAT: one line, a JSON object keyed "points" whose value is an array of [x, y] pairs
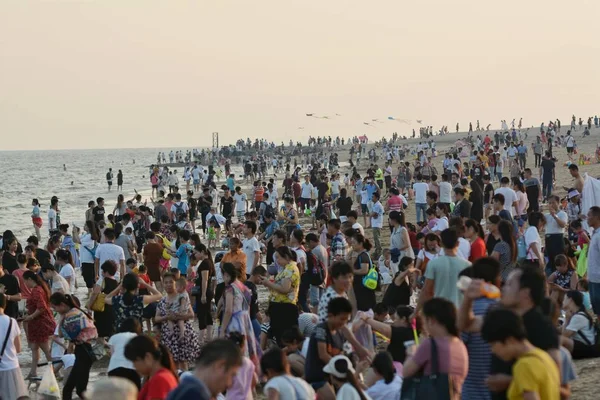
{"points": [[573, 193], [339, 366]]}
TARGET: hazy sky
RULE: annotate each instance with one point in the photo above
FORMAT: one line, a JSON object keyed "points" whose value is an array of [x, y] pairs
{"points": [[106, 74]]}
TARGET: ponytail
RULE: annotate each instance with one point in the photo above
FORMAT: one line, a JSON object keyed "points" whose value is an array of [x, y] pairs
{"points": [[352, 380], [139, 346], [166, 360], [38, 280], [68, 300]]}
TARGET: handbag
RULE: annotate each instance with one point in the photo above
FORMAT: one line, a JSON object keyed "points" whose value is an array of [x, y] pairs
{"points": [[371, 279], [99, 303], [436, 386]]}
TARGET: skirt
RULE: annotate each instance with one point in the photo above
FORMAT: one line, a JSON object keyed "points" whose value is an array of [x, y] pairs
{"points": [[12, 384]]}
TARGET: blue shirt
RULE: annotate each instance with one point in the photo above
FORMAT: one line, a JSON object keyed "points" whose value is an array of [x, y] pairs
{"points": [[190, 388], [231, 184], [371, 188], [522, 149], [184, 259]]}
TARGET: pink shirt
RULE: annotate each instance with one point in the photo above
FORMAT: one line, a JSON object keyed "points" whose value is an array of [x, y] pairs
{"points": [[452, 358], [242, 382], [25, 291], [395, 203]]}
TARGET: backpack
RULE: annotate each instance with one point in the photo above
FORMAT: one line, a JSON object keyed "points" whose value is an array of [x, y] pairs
{"points": [[268, 209], [596, 346], [179, 211], [315, 269]]}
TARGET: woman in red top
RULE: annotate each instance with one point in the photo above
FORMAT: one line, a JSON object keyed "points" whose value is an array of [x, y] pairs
{"points": [[39, 319], [474, 234], [153, 361]]}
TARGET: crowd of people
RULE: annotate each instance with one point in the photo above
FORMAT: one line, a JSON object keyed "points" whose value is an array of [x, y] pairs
{"points": [[303, 299]]}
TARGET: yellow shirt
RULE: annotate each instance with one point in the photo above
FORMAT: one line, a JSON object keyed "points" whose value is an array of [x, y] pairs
{"points": [[292, 273], [536, 372]]}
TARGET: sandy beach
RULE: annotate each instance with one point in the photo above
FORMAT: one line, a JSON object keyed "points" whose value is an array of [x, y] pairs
{"points": [[585, 387]]}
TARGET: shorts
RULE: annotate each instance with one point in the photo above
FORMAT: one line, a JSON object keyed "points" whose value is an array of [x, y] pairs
{"points": [[364, 208], [304, 202], [196, 181], [315, 295], [149, 311], [154, 186], [570, 150], [257, 205], [87, 271], [318, 385], [109, 183]]}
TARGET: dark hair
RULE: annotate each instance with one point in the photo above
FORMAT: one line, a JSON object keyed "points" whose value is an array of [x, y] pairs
{"points": [[398, 216], [259, 270], [251, 225], [363, 241], [486, 268], [340, 268], [139, 346], [383, 364], [64, 255], [237, 338], [220, 349], [443, 207], [471, 223], [292, 335], [403, 311], [109, 233], [577, 297], [380, 308], [533, 278], [432, 195], [109, 267], [535, 218], [130, 284], [335, 224], [2, 300], [131, 325], [68, 300], [298, 234], [231, 270], [501, 324], [494, 219], [281, 235], [276, 360], [404, 263], [352, 214], [285, 252], [499, 197], [184, 235], [444, 312], [312, 237], [343, 366], [505, 229], [201, 248], [38, 280], [449, 238], [21, 258], [338, 306]]}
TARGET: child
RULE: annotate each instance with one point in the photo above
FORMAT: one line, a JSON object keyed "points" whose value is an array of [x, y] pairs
{"points": [[212, 234], [534, 372], [180, 305], [581, 234], [400, 290], [132, 266], [383, 265], [381, 312], [327, 341], [413, 236], [563, 279], [183, 252], [583, 287], [265, 327], [257, 274], [294, 344], [245, 378]]}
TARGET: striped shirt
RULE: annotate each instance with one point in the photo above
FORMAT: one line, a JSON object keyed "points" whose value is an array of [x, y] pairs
{"points": [[480, 357]]}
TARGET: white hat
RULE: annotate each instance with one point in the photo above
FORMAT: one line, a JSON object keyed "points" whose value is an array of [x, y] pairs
{"points": [[333, 367]]}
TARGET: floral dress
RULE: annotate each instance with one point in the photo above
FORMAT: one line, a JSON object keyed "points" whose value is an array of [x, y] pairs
{"points": [[123, 311], [187, 350], [240, 317], [563, 280], [42, 327]]}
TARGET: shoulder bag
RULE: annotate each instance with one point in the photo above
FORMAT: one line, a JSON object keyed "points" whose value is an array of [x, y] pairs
{"points": [[99, 303], [436, 386]]}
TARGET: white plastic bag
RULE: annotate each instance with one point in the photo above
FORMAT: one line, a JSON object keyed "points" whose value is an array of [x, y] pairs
{"points": [[49, 385]]}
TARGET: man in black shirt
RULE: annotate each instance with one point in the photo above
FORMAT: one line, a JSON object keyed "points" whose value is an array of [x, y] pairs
{"points": [[547, 170], [204, 204], [532, 189], [98, 211], [9, 285], [226, 204]]}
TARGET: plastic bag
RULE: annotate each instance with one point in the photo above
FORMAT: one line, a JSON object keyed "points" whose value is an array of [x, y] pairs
{"points": [[363, 332], [49, 385], [582, 262]]}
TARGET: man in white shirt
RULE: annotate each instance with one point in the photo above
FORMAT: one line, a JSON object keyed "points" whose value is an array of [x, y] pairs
{"points": [[251, 246], [421, 189], [556, 222], [510, 196], [109, 251], [445, 190], [241, 202], [377, 223], [305, 195], [593, 220]]}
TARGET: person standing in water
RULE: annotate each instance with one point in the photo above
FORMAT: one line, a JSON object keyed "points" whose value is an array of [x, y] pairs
{"points": [[120, 180], [35, 218], [109, 178]]}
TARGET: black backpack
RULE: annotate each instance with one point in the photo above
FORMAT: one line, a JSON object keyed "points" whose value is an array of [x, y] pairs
{"points": [[315, 269]]}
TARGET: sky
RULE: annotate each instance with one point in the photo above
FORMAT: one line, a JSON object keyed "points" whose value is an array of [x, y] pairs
{"points": [[112, 74]]}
